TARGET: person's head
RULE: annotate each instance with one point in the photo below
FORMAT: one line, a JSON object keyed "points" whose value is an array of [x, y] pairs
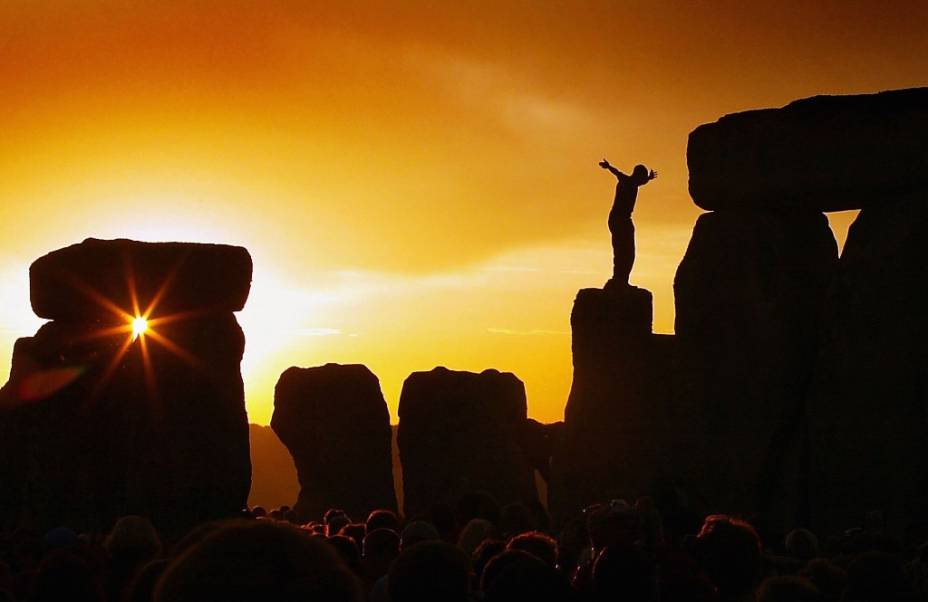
{"points": [[382, 519], [432, 570], [640, 174], [802, 544], [380, 548], [787, 589], [537, 544], [259, 512], [615, 523], [483, 554], [417, 531], [515, 575], [258, 561], [474, 533], [624, 572], [334, 521], [356, 531], [349, 552], [728, 550], [331, 513], [133, 537]]}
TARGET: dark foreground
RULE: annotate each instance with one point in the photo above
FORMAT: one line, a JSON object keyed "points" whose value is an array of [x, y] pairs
{"points": [[475, 551]]}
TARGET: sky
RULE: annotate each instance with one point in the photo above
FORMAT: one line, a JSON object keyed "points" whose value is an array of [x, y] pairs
{"points": [[416, 181]]}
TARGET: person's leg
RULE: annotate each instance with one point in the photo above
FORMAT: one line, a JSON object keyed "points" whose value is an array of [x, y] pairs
{"points": [[623, 251]]}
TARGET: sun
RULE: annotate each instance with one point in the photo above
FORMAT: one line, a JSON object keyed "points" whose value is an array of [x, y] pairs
{"points": [[139, 326]]}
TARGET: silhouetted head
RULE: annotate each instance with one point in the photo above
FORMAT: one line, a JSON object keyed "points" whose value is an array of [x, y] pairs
{"points": [[356, 531], [802, 544], [382, 519], [349, 551], [615, 523], [640, 174], [728, 550], [538, 545], [258, 560], [515, 575], [381, 543], [133, 537], [474, 533], [483, 554], [335, 523], [417, 531], [433, 570], [530, 581], [380, 548]]}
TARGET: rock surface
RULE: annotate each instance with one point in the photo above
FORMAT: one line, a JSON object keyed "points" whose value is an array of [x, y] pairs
{"points": [[100, 432], [335, 422], [750, 299], [867, 406], [69, 283], [826, 153], [619, 419], [459, 433]]}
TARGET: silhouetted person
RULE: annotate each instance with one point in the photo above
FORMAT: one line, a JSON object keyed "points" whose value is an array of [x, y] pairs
{"points": [[260, 560], [515, 576], [536, 543], [379, 550], [620, 218], [432, 570], [382, 519], [729, 551], [131, 544]]}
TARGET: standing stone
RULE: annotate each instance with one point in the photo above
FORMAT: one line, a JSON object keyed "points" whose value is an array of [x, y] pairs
{"points": [[867, 407], [618, 420], [103, 425], [459, 433], [335, 422], [826, 153], [750, 299]]}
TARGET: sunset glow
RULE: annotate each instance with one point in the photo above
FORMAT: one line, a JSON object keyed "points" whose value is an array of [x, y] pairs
{"points": [[416, 182]]}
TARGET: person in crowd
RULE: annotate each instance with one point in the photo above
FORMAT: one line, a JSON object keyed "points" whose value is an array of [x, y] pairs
{"points": [[474, 533], [729, 552], [430, 570], [538, 544], [258, 561], [382, 519]]}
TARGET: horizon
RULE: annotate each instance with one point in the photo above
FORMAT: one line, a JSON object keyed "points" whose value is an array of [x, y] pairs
{"points": [[414, 194]]}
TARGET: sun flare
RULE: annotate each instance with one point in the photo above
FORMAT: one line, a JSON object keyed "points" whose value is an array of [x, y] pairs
{"points": [[139, 327]]}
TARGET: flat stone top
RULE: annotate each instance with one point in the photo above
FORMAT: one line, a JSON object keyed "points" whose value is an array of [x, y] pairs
{"points": [[825, 153], [87, 280]]}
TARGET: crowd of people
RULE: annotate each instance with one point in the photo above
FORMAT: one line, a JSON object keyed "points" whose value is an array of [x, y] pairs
{"points": [[613, 551]]}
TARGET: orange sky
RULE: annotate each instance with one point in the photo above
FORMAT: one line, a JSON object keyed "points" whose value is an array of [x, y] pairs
{"points": [[415, 181]]}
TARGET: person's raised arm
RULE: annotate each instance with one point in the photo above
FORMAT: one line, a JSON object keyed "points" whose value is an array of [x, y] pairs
{"points": [[606, 165]]}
